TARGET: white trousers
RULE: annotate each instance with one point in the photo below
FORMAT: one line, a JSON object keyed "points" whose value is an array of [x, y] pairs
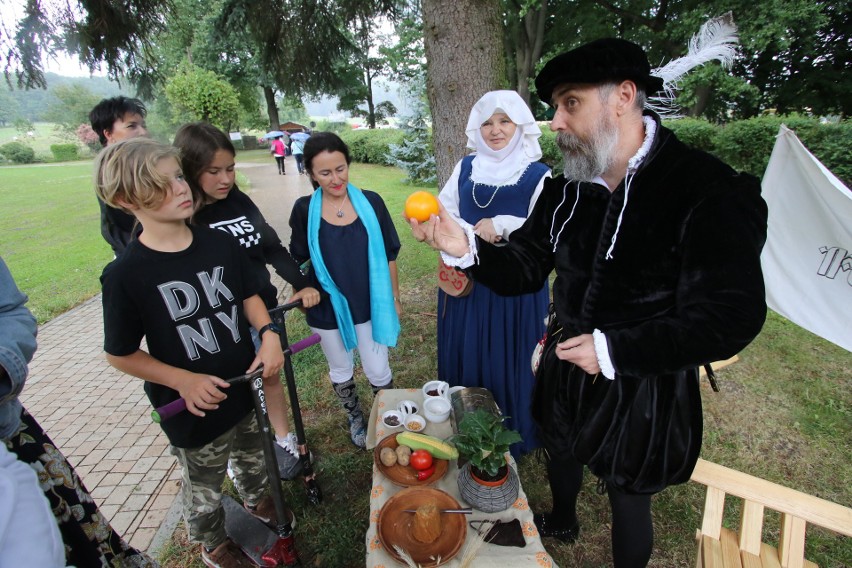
{"points": [[341, 363]]}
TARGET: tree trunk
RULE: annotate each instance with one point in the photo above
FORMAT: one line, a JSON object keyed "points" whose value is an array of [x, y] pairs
{"points": [[464, 60], [371, 107], [528, 45], [271, 109], [702, 99]]}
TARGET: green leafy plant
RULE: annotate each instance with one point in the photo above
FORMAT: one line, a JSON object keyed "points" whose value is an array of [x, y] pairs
{"points": [[18, 153], [483, 440]]}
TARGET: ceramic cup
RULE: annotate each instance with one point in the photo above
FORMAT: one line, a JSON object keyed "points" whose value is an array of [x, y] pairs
{"points": [[436, 409], [435, 388], [415, 423], [393, 419], [408, 407], [450, 392]]}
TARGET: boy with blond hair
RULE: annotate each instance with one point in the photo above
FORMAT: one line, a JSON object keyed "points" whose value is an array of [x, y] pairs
{"points": [[190, 292]]}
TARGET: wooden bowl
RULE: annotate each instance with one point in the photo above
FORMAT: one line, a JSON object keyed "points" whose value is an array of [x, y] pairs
{"points": [[405, 475], [394, 527]]}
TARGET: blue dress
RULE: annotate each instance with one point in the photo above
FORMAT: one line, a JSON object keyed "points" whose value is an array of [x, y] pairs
{"points": [[487, 340]]}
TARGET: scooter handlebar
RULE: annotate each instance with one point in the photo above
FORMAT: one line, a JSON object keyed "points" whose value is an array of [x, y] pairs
{"points": [[175, 407], [168, 410], [303, 344]]}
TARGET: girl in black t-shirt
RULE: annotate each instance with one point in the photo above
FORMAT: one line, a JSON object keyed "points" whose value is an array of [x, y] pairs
{"points": [[208, 156]]}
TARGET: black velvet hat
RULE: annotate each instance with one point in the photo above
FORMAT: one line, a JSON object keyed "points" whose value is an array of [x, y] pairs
{"points": [[600, 61]]}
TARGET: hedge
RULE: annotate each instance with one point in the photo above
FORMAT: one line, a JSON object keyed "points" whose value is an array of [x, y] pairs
{"points": [[371, 146], [744, 144], [18, 153], [64, 152]]}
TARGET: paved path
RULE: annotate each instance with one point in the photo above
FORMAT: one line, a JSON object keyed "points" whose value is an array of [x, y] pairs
{"points": [[100, 418]]}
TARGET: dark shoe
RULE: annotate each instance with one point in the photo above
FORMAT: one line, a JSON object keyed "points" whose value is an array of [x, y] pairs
{"points": [[549, 527], [226, 555], [265, 512]]}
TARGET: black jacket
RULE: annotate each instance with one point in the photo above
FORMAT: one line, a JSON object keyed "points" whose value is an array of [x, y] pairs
{"points": [[683, 288]]}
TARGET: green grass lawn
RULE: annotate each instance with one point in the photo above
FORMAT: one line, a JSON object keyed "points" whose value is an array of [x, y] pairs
{"points": [[784, 413], [50, 234]]}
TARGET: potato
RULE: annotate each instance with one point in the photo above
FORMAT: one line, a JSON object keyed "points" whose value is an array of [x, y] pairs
{"points": [[403, 455], [388, 457]]}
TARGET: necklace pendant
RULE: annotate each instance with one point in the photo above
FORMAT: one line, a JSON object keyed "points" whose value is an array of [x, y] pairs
{"points": [[340, 212]]}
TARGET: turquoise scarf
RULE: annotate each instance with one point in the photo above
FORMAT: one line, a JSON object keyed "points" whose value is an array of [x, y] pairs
{"points": [[382, 310]]}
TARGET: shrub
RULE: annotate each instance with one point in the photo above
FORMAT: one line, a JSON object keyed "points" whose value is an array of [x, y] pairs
{"points": [[64, 152], [415, 155], [87, 136], [371, 146], [18, 153], [747, 144], [550, 153], [830, 143], [695, 132]]}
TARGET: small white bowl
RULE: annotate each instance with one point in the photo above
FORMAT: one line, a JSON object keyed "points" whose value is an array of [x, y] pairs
{"points": [[408, 407], [436, 409], [415, 423], [393, 419]]}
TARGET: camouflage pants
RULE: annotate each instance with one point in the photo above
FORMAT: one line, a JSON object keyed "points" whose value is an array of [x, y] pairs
{"points": [[204, 471]]}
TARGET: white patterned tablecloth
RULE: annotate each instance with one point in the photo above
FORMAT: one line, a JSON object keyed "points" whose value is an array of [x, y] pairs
{"points": [[490, 555]]}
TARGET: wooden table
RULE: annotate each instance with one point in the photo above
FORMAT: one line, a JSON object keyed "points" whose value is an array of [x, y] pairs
{"points": [[490, 555]]}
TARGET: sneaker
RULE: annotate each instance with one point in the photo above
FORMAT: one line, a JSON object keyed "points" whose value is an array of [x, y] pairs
{"points": [[291, 446], [265, 512], [226, 555], [289, 466]]}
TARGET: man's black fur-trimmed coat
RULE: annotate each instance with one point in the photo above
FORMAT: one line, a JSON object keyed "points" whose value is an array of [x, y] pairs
{"points": [[683, 287]]}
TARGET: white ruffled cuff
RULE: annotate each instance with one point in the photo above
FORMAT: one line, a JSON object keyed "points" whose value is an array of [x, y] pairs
{"points": [[602, 353], [468, 259]]}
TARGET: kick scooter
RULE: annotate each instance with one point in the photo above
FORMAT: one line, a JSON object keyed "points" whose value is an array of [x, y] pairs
{"points": [[261, 545]]}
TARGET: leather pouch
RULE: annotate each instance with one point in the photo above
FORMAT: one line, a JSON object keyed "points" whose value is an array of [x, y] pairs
{"points": [[502, 533]]}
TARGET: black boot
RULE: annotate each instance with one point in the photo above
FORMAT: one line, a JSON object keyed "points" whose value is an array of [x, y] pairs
{"points": [[348, 396], [377, 389]]}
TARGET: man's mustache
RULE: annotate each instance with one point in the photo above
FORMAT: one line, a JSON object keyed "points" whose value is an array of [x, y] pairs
{"points": [[570, 142]]}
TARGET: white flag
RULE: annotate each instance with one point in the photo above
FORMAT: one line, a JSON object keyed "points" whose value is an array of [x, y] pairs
{"points": [[807, 261]]}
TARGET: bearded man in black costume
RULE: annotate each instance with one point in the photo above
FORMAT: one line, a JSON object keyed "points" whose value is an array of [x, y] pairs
{"points": [[656, 248]]}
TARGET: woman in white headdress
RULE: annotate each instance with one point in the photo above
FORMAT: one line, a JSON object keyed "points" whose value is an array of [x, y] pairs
{"points": [[486, 340]]}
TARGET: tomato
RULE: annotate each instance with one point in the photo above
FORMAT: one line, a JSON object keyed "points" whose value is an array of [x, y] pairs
{"points": [[420, 459], [420, 205]]}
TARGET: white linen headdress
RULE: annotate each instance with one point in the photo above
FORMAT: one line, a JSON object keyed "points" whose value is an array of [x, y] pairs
{"points": [[496, 167]]}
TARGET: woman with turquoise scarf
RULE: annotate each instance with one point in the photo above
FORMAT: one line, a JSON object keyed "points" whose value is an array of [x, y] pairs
{"points": [[349, 237]]}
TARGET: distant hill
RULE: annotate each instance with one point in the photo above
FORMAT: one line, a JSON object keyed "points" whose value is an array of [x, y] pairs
{"points": [[34, 102]]}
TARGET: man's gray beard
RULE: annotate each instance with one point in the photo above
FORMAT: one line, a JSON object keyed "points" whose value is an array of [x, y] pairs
{"points": [[584, 160]]}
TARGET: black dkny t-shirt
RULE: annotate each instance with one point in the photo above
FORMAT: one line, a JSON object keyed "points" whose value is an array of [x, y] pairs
{"points": [[189, 307]]}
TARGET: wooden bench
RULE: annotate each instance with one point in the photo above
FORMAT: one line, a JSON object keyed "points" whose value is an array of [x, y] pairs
{"points": [[720, 547]]}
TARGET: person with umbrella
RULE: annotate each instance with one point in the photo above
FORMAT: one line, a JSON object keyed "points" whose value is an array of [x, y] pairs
{"points": [[298, 147], [278, 148]]}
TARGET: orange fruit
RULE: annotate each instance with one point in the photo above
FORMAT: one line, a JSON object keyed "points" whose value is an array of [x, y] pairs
{"points": [[420, 205]]}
